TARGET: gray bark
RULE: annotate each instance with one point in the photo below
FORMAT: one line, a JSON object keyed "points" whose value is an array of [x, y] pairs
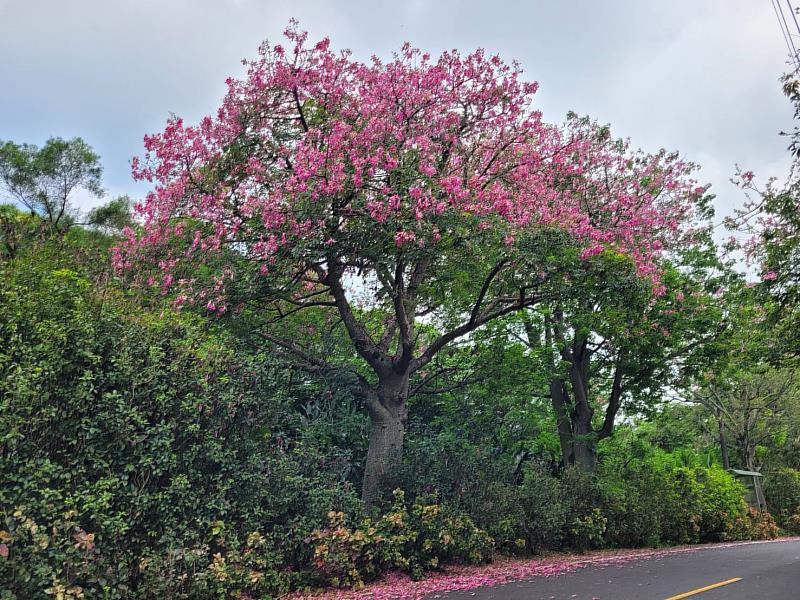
{"points": [[387, 411]]}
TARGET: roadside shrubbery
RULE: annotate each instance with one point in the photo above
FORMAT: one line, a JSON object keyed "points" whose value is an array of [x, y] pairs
{"points": [[125, 436], [412, 539], [782, 490], [142, 455], [649, 498]]}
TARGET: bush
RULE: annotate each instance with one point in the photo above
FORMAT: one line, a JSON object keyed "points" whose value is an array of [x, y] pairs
{"points": [[782, 492], [588, 530], [761, 525], [542, 512], [792, 524], [586, 502], [413, 541], [528, 516], [637, 501], [714, 500], [124, 435], [650, 500]]}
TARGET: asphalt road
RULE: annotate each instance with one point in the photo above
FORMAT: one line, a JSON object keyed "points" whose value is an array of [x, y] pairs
{"points": [[765, 571]]}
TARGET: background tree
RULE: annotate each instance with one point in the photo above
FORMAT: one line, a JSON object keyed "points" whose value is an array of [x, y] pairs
{"points": [[750, 399], [753, 407], [16, 229], [45, 179], [112, 217], [609, 345], [771, 219]]}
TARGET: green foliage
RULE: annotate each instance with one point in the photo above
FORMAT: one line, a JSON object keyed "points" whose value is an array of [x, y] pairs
{"points": [[43, 179], [792, 524], [760, 525], [112, 216], [17, 230], [656, 497], [146, 453], [589, 529], [583, 494], [541, 509], [782, 491], [144, 429], [413, 540]]}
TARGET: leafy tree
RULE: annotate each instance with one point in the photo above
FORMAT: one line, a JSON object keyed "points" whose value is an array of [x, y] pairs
{"points": [[114, 216], [750, 400], [770, 217], [44, 179], [16, 228], [609, 345], [388, 196], [752, 406]]}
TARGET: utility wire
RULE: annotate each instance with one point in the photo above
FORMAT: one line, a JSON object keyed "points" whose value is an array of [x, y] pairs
{"points": [[794, 15], [786, 25], [787, 36]]}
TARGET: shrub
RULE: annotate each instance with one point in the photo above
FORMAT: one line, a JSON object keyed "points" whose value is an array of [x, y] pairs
{"points": [[719, 501], [637, 499], [542, 510], [761, 525], [225, 568], [583, 494], [649, 502], [792, 524], [588, 530], [413, 541], [782, 492], [124, 435]]}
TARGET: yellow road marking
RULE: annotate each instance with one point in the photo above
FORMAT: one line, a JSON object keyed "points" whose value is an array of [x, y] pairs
{"points": [[704, 589]]}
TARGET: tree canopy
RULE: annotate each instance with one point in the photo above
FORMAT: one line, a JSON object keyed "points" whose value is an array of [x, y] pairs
{"points": [[429, 188]]}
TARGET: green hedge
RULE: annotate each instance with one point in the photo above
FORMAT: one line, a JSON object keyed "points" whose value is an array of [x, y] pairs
{"points": [[144, 454], [128, 437]]}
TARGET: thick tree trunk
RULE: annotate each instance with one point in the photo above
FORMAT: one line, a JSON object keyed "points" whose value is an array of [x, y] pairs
{"points": [[387, 410], [576, 436], [585, 452]]}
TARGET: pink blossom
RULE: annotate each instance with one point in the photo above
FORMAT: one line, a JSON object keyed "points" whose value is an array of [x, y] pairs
{"points": [[394, 163]]}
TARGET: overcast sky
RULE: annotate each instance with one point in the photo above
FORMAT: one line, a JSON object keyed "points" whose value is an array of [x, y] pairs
{"points": [[698, 76]]}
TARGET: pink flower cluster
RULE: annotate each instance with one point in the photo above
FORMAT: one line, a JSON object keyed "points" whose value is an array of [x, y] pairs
{"points": [[314, 152]]}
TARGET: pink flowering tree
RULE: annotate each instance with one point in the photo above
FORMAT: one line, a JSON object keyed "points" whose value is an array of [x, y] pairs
{"points": [[769, 228], [413, 201]]}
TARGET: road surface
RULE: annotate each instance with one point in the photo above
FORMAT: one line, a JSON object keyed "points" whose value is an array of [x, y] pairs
{"points": [[762, 571]]}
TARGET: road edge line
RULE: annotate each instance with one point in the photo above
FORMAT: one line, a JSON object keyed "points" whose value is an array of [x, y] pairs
{"points": [[704, 589]]}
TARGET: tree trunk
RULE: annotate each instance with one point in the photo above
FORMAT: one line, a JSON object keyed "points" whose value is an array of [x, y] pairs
{"points": [[576, 436], [585, 453], [584, 441], [723, 443], [559, 399], [387, 411]]}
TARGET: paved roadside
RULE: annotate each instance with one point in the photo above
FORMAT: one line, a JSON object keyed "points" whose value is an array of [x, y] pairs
{"points": [[760, 571]]}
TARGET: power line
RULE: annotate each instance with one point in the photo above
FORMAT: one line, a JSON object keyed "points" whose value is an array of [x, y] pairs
{"points": [[785, 31], [786, 25], [794, 15]]}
